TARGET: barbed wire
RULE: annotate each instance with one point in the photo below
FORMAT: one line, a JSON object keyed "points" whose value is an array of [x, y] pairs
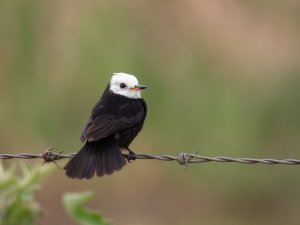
{"points": [[182, 158]]}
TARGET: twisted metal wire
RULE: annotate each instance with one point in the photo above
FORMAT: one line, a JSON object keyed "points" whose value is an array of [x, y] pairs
{"points": [[182, 158]]}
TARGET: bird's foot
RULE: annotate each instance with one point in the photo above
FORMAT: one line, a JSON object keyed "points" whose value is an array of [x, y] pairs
{"points": [[131, 156]]}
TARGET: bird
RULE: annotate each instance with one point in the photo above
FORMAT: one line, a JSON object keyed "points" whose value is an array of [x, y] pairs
{"points": [[114, 122]]}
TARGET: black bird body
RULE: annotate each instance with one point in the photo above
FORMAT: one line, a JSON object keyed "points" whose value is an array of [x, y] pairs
{"points": [[114, 123], [115, 115]]}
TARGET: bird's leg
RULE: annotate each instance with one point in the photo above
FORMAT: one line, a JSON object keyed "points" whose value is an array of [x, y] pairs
{"points": [[131, 155]]}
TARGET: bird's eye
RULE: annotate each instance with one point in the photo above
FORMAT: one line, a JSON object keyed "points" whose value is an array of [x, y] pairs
{"points": [[122, 85]]}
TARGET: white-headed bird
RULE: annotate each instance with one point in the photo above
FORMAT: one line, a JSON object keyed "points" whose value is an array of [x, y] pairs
{"points": [[115, 121]]}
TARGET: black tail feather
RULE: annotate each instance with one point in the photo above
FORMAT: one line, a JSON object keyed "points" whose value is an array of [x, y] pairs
{"points": [[100, 157]]}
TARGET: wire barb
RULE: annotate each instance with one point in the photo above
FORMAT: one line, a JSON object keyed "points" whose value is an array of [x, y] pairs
{"points": [[183, 158]]}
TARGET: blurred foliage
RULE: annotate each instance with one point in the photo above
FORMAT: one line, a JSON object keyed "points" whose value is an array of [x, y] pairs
{"points": [[17, 203], [73, 203], [19, 207]]}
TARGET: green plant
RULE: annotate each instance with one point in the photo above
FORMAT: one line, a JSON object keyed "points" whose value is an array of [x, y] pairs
{"points": [[17, 204], [73, 203]]}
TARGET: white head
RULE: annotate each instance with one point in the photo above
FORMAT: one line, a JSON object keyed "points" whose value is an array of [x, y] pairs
{"points": [[126, 85]]}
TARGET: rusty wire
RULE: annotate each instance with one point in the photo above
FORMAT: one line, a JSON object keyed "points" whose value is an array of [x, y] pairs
{"points": [[182, 158]]}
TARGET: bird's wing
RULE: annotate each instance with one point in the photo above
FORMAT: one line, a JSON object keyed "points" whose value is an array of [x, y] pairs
{"points": [[107, 123], [86, 127]]}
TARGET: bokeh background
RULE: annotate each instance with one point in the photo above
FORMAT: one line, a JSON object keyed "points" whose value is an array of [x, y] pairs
{"points": [[223, 78]]}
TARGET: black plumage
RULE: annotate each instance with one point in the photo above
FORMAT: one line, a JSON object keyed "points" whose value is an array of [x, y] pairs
{"points": [[114, 122]]}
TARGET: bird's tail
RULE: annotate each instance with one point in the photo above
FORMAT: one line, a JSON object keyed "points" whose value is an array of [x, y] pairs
{"points": [[99, 157]]}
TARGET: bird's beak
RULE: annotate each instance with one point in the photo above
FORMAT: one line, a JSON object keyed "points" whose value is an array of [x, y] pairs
{"points": [[138, 87]]}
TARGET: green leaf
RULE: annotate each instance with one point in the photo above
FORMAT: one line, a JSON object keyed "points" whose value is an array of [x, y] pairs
{"points": [[22, 213], [73, 203], [17, 204]]}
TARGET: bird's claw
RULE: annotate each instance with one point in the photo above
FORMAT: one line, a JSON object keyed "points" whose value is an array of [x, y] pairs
{"points": [[131, 156]]}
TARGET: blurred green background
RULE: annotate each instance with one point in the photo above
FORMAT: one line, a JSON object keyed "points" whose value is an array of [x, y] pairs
{"points": [[223, 78]]}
